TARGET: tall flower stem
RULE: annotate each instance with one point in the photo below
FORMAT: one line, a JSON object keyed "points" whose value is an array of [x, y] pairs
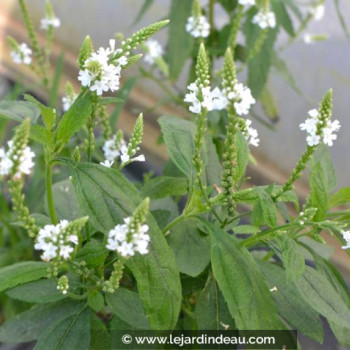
{"points": [[49, 194]]}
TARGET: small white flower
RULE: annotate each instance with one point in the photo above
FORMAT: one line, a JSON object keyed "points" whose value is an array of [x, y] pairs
{"points": [[265, 19], [99, 74], [54, 242], [111, 150], [198, 27], [242, 97], [126, 241], [154, 50], [251, 134], [328, 132], [346, 236], [317, 12], [310, 125], [22, 55], [313, 113], [107, 163], [313, 140], [50, 22]]}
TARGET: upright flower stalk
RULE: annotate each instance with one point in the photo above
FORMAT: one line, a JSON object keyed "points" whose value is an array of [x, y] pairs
{"points": [[322, 120], [20, 158]]}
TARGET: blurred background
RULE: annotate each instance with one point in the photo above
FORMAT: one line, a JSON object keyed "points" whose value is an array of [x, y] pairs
{"points": [[315, 68]]}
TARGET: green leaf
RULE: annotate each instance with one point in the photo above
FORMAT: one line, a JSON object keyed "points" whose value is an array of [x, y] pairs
{"points": [[259, 66], [29, 325], [241, 282], [42, 291], [94, 253], [19, 110], [340, 198], [242, 157], [110, 100], [282, 16], [127, 306], [246, 229], [22, 272], [95, 300], [39, 134], [293, 258], [66, 202], [264, 212], [106, 196], [74, 119], [48, 114], [211, 309], [72, 332], [100, 337], [268, 104], [164, 211], [165, 186], [180, 43], [191, 248], [319, 191], [178, 136], [290, 304], [322, 297]]}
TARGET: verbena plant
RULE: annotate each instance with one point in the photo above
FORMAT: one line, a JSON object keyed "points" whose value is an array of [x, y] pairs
{"points": [[196, 248]]}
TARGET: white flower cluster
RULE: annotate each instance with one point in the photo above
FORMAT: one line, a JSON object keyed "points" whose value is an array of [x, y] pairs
{"points": [[205, 98], [246, 2], [55, 241], [154, 50], [48, 22], [265, 19], [198, 26], [25, 162], [67, 101], [112, 150], [242, 97], [100, 75], [251, 134], [23, 54], [127, 241], [346, 236], [328, 132], [317, 12]]}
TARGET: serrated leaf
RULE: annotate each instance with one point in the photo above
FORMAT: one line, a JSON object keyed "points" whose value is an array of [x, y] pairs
{"points": [[19, 110], [127, 306], [29, 325], [191, 248], [241, 282], [72, 332], [94, 253], [293, 258], [22, 272], [264, 212], [42, 291], [211, 309], [165, 186], [106, 196], [322, 297], [290, 304]]}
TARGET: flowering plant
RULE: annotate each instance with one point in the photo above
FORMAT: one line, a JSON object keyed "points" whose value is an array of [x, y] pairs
{"points": [[197, 247]]}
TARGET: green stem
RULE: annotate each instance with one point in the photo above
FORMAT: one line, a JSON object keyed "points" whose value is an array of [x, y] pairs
{"points": [[174, 223], [49, 194]]}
